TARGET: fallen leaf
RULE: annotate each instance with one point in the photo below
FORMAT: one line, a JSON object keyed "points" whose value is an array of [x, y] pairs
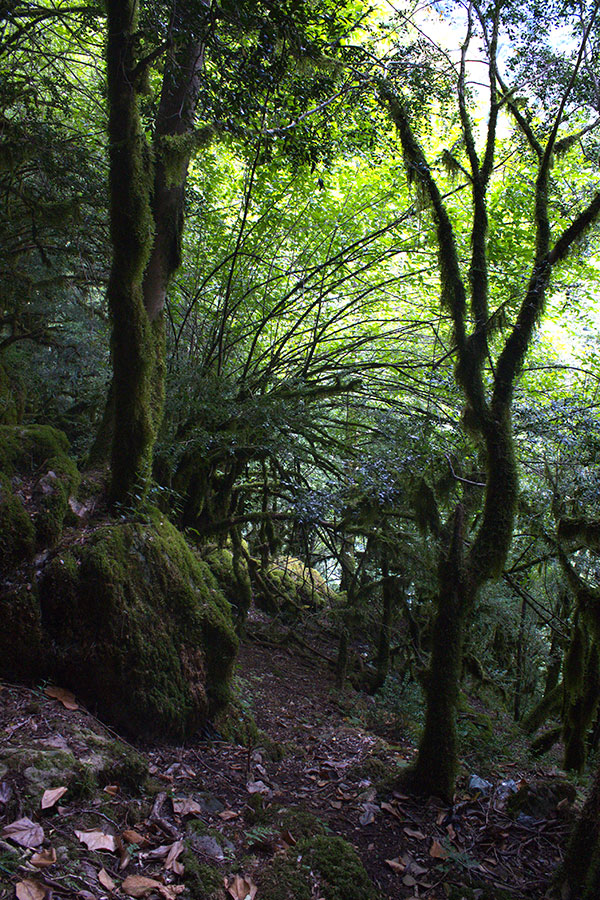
{"points": [[411, 832], [140, 885], [175, 851], [288, 838], [65, 697], [97, 840], [50, 797], [5, 792], [112, 789], [387, 807], [437, 851], [396, 865], [409, 881], [30, 890], [241, 887], [44, 858], [25, 833], [84, 895], [158, 852], [105, 880], [133, 837], [170, 891], [258, 787], [184, 806], [368, 816], [228, 814]]}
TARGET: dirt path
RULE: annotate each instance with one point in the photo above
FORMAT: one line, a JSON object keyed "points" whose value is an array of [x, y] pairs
{"points": [[315, 764]]}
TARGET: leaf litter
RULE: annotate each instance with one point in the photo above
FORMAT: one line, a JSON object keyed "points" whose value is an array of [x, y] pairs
{"points": [[410, 848]]}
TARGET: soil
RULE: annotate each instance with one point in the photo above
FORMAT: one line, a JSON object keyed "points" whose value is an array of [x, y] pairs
{"points": [[317, 754]]}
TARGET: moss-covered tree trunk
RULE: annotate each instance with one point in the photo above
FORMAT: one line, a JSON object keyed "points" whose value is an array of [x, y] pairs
{"points": [[579, 876], [437, 762], [131, 226], [147, 188]]}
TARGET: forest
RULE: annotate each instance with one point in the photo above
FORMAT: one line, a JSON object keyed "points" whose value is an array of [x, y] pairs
{"points": [[299, 449]]}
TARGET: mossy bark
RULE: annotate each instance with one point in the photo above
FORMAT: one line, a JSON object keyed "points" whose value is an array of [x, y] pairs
{"points": [[579, 876], [437, 762], [130, 184], [146, 212]]}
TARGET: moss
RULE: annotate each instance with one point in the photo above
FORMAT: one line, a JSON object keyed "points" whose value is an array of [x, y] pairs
{"points": [[17, 534], [8, 406], [42, 452], [24, 449], [233, 577], [202, 881], [289, 586], [139, 628], [338, 864], [287, 878], [23, 649], [300, 823]]}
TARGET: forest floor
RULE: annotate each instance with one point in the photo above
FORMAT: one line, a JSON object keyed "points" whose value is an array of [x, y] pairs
{"points": [[323, 760]]}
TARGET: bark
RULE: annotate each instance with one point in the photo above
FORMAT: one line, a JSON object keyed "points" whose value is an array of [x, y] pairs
{"points": [[437, 762], [146, 201], [131, 234]]}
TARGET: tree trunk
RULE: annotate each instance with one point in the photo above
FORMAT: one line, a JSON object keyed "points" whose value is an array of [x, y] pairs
{"points": [[131, 226], [579, 876], [146, 203], [437, 762], [382, 663]]}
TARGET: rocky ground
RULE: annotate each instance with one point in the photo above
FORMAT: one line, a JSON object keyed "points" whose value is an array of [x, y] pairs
{"points": [[85, 815]]}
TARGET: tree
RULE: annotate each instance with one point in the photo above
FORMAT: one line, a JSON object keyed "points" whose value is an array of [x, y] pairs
{"points": [[486, 368]]}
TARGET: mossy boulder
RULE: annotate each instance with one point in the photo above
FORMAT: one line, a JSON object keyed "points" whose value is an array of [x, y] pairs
{"points": [[289, 586], [134, 622], [37, 477], [332, 861], [82, 760]]}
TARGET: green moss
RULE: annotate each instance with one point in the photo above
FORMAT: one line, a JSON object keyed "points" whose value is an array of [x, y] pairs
{"points": [[287, 877], [342, 874], [139, 628], [333, 862], [17, 534], [233, 577], [202, 881], [23, 649], [24, 449], [300, 823], [8, 405], [42, 452]]}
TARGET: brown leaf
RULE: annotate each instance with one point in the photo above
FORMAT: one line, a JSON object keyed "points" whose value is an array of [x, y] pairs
{"points": [[50, 797], [170, 891], [241, 887], [411, 832], [140, 885], [134, 837], [44, 858], [437, 851], [259, 787], [97, 840], [25, 833], [30, 890], [387, 807], [409, 881], [185, 806], [228, 814], [175, 851], [396, 865], [112, 789], [65, 697], [105, 880]]}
